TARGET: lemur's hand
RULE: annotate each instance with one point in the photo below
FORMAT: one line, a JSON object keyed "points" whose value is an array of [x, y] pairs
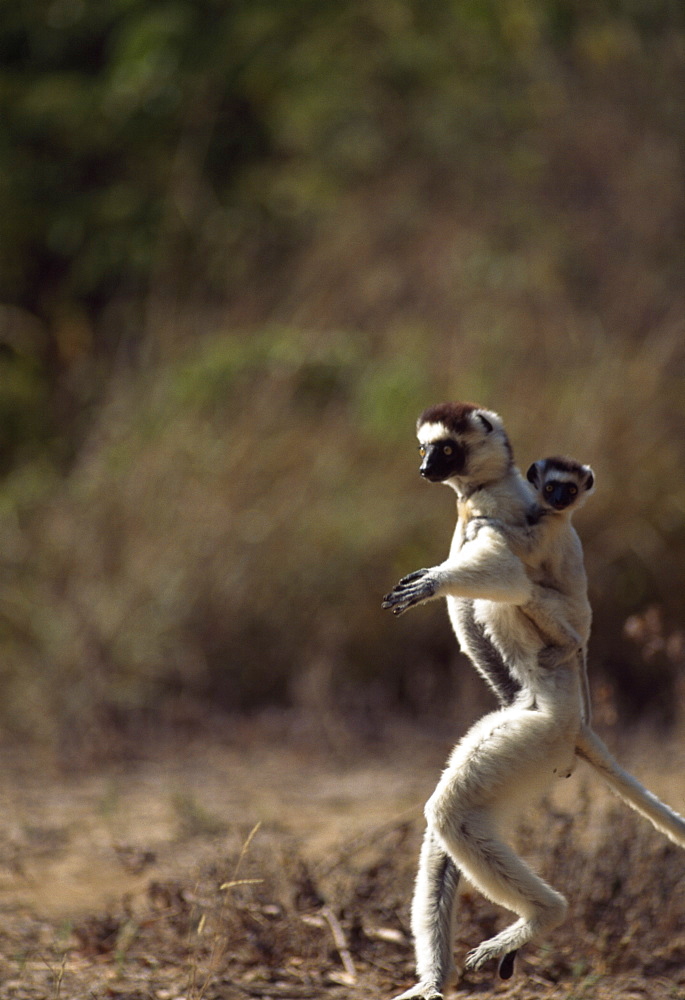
{"points": [[412, 589]]}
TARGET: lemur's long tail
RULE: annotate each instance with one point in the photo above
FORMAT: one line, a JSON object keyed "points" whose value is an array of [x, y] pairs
{"points": [[591, 749]]}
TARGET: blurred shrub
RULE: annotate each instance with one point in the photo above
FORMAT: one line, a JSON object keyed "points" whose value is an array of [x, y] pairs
{"points": [[235, 516], [218, 526]]}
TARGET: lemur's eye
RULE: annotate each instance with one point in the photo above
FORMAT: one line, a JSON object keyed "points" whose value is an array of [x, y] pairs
{"points": [[422, 451], [573, 490], [447, 449], [549, 488]]}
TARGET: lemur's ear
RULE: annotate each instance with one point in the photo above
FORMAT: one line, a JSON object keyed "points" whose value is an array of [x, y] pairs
{"points": [[533, 474]]}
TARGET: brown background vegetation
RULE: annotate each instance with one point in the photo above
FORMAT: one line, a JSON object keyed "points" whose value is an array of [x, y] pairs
{"points": [[216, 346]]}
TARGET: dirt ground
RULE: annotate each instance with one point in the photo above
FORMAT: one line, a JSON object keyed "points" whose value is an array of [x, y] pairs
{"points": [[275, 868]]}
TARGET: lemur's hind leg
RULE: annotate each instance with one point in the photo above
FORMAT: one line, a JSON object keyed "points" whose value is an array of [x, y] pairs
{"points": [[433, 909], [500, 870], [507, 756]]}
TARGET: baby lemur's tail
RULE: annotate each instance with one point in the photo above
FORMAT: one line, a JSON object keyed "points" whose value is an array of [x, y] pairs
{"points": [[590, 748]]}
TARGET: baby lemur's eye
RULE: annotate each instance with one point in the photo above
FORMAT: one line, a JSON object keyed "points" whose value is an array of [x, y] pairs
{"points": [[573, 490], [422, 451], [447, 449], [548, 488]]}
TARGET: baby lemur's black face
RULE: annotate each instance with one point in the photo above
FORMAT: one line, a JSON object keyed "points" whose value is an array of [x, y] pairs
{"points": [[559, 494], [440, 460], [561, 483]]}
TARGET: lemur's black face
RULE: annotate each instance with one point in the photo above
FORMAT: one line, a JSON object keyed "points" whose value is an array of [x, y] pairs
{"points": [[560, 494], [442, 459]]}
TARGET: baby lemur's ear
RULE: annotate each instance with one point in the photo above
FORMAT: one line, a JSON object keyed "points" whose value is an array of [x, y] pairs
{"points": [[533, 474]]}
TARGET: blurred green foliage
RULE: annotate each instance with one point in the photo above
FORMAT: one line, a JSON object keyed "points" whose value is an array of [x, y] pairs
{"points": [[169, 142], [241, 246], [226, 534]]}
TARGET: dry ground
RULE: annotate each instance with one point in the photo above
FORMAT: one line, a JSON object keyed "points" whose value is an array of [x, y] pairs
{"points": [[256, 867]]}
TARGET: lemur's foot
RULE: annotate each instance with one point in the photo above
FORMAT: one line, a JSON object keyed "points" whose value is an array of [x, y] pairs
{"points": [[500, 947], [422, 991]]}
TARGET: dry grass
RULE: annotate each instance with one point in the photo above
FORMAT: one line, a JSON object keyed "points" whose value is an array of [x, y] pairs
{"points": [[257, 913]]}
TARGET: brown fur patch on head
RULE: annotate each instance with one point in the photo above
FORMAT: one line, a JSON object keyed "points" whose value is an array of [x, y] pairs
{"points": [[453, 416]]}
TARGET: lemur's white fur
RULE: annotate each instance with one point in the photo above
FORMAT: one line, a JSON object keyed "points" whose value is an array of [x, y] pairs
{"points": [[431, 432], [514, 753]]}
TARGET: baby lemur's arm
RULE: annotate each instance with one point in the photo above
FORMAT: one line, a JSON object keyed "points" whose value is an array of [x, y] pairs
{"points": [[549, 547]]}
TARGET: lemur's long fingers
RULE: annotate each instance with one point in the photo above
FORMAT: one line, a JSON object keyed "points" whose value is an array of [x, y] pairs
{"points": [[401, 591], [399, 602], [412, 576], [398, 605], [405, 586], [399, 594]]}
